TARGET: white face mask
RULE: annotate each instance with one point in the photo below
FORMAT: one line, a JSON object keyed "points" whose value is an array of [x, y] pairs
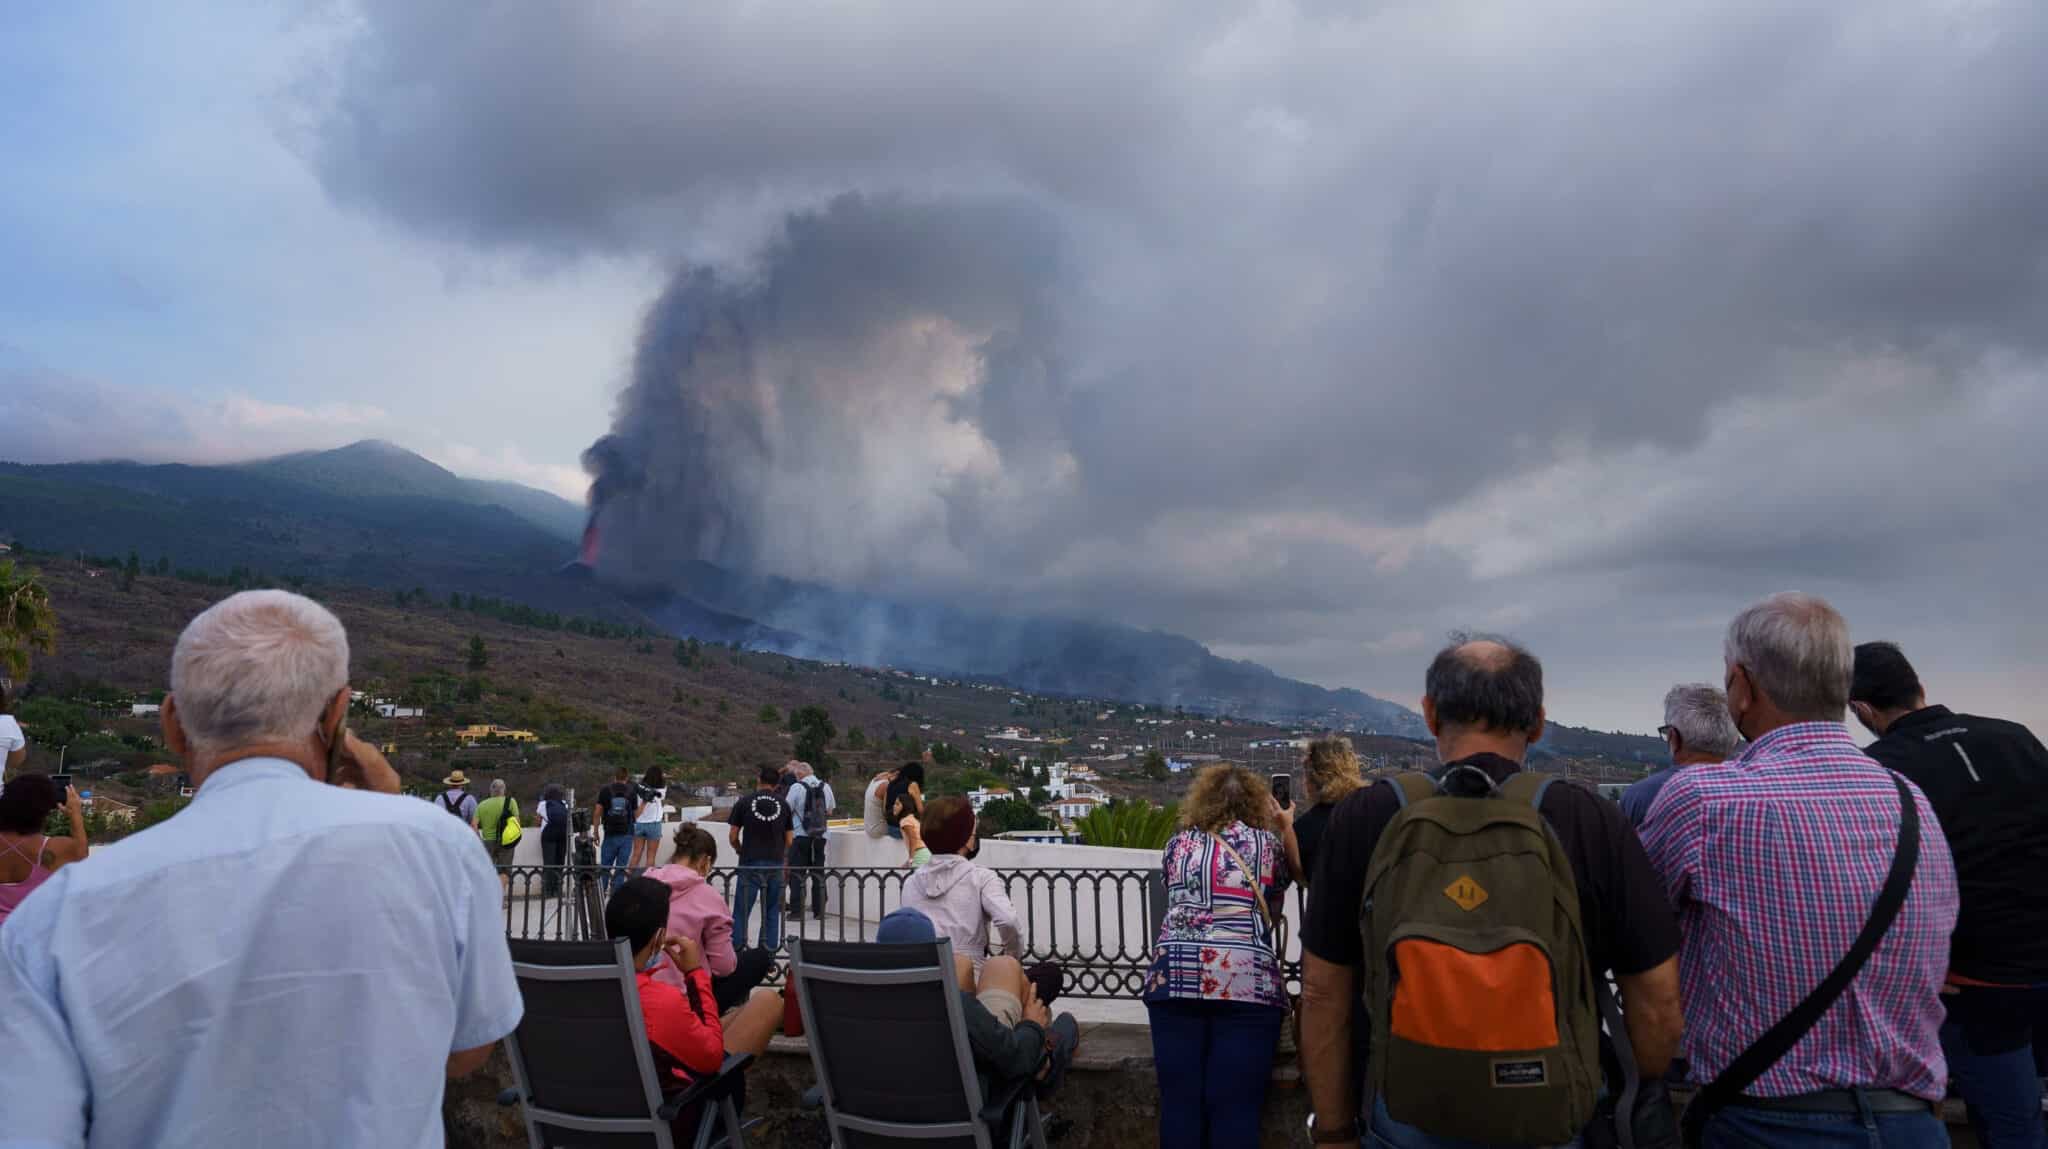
{"points": [[654, 960]]}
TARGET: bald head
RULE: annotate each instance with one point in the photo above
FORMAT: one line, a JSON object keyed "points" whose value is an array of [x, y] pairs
{"points": [[1485, 683]]}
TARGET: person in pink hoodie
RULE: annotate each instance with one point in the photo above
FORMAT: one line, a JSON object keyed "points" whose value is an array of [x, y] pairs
{"points": [[697, 910], [964, 901]]}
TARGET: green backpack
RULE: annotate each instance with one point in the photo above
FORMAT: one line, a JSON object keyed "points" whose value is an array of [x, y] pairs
{"points": [[1484, 1023]]}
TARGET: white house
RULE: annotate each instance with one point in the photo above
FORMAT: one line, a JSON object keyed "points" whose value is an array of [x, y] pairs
{"points": [[393, 710], [1070, 809], [987, 794], [144, 709]]}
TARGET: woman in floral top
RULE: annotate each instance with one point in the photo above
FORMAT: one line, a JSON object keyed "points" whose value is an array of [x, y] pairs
{"points": [[1215, 991]]}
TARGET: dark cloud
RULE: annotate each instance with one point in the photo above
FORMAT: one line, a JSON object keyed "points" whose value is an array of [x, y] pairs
{"points": [[1300, 328]]}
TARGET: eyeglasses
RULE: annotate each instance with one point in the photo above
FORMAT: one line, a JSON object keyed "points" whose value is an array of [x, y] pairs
{"points": [[1666, 731]]}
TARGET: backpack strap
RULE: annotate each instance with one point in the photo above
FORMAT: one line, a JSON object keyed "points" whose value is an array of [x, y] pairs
{"points": [[1527, 786], [1411, 788]]}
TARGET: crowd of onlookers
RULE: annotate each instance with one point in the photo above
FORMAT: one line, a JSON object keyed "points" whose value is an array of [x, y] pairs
{"points": [[1819, 938]]}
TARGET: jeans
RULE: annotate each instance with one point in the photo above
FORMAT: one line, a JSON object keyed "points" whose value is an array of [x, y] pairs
{"points": [[759, 880], [1214, 1059], [1989, 1040], [552, 853], [807, 853], [1743, 1127], [749, 970], [613, 855]]}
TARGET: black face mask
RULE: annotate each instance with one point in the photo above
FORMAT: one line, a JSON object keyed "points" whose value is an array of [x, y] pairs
{"points": [[971, 850]]}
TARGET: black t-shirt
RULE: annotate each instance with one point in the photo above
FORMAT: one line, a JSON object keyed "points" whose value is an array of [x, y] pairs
{"points": [[1988, 783], [1308, 834], [614, 797], [763, 820], [1628, 921]]}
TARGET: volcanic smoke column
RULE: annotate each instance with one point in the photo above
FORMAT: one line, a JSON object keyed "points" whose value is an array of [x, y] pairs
{"points": [[876, 393]]}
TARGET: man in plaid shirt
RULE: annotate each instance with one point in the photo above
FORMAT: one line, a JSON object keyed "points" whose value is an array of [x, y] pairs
{"points": [[1774, 861]]}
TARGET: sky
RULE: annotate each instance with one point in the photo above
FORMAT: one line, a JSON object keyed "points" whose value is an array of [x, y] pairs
{"points": [[1312, 331]]}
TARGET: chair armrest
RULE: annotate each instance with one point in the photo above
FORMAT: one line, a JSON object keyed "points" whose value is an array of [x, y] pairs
{"points": [[705, 1089]]}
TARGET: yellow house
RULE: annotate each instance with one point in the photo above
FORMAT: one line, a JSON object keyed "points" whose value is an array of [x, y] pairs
{"points": [[488, 730]]}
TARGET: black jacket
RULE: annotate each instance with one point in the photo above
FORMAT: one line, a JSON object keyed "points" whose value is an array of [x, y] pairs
{"points": [[1988, 783]]}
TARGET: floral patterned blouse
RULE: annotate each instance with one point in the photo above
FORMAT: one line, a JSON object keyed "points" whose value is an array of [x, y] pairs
{"points": [[1213, 945]]}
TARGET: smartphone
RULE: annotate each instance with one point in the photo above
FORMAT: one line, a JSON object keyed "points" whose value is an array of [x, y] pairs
{"points": [[334, 753], [63, 782], [1283, 790]]}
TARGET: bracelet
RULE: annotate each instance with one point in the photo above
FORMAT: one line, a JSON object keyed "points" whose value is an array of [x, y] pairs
{"points": [[1335, 1135]]}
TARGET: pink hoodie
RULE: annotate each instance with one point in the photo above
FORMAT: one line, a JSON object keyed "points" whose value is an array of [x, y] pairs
{"points": [[695, 910]]}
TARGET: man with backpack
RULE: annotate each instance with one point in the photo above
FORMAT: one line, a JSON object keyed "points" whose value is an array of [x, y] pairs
{"points": [[1817, 896], [811, 803], [1474, 914], [456, 798], [617, 803]]}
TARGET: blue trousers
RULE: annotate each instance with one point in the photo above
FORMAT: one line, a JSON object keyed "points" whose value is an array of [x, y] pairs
{"points": [[761, 880], [613, 854], [1743, 1127], [1989, 1040], [1214, 1059]]}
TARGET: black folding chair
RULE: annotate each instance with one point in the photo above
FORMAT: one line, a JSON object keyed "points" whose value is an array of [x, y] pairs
{"points": [[584, 1069], [889, 1042]]}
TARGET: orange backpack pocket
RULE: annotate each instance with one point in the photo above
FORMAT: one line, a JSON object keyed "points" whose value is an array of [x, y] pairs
{"points": [[1450, 998]]}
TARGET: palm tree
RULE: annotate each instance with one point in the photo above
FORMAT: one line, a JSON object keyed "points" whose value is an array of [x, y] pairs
{"points": [[27, 622], [1132, 825]]}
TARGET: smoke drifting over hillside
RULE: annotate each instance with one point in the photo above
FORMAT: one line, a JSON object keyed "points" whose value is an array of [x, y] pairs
{"points": [[878, 391], [1309, 330]]}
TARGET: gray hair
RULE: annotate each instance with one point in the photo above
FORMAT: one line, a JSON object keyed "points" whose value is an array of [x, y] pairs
{"points": [[497, 787], [1699, 712], [799, 768], [259, 666], [1796, 650]]}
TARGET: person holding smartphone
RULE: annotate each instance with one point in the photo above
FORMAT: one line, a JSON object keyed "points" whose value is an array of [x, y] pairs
{"points": [[278, 927], [27, 855]]}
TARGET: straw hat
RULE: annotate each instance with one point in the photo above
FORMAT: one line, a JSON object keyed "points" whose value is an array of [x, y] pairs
{"points": [[457, 780]]}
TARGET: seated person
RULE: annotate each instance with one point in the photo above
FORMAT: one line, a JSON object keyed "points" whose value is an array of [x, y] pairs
{"points": [[689, 1038], [697, 910], [966, 902], [1010, 1032]]}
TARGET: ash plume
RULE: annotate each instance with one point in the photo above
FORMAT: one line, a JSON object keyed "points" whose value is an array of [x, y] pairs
{"points": [[882, 383]]}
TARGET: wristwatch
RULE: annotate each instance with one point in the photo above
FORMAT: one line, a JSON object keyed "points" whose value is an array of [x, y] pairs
{"points": [[1344, 1134]]}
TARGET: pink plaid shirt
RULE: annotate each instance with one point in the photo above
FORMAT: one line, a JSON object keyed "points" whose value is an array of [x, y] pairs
{"points": [[1774, 861]]}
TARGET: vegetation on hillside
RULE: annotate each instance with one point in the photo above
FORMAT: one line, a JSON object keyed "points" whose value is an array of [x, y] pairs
{"points": [[28, 624]]}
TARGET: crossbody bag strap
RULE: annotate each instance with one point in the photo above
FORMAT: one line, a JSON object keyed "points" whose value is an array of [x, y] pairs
{"points": [[1778, 1040], [1258, 895]]}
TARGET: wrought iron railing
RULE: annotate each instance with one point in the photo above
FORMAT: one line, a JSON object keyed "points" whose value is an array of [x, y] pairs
{"points": [[1097, 923]]}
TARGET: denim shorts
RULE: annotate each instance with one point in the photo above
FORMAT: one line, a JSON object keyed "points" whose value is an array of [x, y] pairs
{"points": [[647, 830]]}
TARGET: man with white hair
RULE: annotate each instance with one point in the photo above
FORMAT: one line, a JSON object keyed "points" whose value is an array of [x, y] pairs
{"points": [[1816, 896], [296, 958], [1697, 731]]}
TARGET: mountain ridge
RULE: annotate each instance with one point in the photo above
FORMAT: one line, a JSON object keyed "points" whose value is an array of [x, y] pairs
{"points": [[376, 514]]}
